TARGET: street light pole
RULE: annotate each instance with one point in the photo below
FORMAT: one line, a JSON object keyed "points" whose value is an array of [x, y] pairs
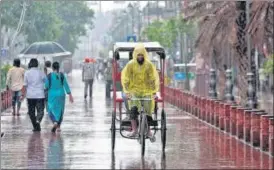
{"points": [[132, 13], [148, 14], [251, 90], [139, 24], [0, 69], [157, 3]]}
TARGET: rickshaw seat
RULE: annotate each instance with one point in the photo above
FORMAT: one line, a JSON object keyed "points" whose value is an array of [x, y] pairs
{"points": [[119, 97], [118, 76]]}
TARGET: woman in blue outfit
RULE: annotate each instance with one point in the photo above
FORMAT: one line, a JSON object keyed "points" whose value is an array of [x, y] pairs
{"points": [[58, 87]]}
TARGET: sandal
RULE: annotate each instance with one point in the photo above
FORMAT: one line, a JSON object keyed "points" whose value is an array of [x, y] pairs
{"points": [[53, 130], [152, 138]]}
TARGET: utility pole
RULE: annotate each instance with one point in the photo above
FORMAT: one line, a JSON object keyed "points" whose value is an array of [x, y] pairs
{"points": [[148, 13], [130, 7], [174, 7], [133, 25], [157, 4], [0, 68], [100, 7], [251, 92], [139, 24], [185, 53]]}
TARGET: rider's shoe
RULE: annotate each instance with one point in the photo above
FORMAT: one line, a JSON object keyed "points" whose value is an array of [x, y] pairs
{"points": [[152, 138], [132, 134]]}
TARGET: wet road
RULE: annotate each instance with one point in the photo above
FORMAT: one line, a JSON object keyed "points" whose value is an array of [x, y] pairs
{"points": [[85, 141]]}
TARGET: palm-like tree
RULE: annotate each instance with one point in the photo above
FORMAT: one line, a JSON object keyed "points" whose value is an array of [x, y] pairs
{"points": [[223, 30]]}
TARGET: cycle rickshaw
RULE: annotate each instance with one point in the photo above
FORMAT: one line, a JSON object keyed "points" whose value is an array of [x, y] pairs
{"points": [[144, 124]]}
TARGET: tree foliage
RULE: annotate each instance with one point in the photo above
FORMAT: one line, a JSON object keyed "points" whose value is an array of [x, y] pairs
{"points": [[76, 17], [269, 65], [223, 28], [50, 21], [165, 32], [41, 23], [10, 11]]}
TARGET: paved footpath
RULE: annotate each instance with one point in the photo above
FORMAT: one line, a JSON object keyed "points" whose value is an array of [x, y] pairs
{"points": [[84, 142]]}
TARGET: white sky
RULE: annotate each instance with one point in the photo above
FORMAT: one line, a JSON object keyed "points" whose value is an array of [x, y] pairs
{"points": [[110, 5]]}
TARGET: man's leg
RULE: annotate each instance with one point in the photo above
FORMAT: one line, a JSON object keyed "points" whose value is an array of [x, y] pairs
{"points": [[86, 89], [149, 108], [133, 105], [18, 102], [31, 112], [126, 105], [90, 87], [125, 101], [40, 106], [134, 117], [14, 98]]}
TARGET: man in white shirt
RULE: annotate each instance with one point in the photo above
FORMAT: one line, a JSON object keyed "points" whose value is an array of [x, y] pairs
{"points": [[34, 82], [14, 82]]}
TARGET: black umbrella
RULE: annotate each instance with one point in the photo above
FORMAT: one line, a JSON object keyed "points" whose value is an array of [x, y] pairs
{"points": [[42, 49]]}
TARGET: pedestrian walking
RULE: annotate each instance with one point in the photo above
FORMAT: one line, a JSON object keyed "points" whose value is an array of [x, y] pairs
{"points": [[47, 71], [88, 74], [47, 68], [58, 87], [34, 81], [15, 82]]}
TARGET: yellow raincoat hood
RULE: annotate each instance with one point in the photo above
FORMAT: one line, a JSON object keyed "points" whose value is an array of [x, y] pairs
{"points": [[140, 49], [140, 79]]}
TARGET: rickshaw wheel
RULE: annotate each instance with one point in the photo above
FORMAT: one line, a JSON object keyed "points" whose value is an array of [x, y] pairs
{"points": [[163, 129], [113, 130], [156, 110], [143, 134]]}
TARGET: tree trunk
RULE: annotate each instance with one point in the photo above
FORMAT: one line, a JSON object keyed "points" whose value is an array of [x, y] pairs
{"points": [[241, 51]]}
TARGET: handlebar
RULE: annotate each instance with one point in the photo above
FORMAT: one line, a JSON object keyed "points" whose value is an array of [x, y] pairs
{"points": [[140, 99]]}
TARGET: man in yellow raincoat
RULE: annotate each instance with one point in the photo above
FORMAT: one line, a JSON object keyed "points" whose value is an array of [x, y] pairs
{"points": [[140, 79]]}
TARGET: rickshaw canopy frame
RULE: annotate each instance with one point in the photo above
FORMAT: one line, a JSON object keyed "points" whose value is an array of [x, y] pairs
{"points": [[129, 47]]}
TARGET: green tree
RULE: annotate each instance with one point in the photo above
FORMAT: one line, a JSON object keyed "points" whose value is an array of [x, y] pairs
{"points": [[59, 21], [10, 11], [76, 17], [165, 32], [269, 65], [42, 23]]}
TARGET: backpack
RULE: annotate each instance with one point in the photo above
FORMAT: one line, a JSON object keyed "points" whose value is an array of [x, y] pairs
{"points": [[49, 79]]}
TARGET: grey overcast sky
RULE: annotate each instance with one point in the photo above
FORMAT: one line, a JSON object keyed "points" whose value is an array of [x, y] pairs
{"points": [[110, 5]]}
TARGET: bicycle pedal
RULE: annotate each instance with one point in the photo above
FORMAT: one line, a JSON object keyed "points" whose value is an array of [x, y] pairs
{"points": [[152, 139]]}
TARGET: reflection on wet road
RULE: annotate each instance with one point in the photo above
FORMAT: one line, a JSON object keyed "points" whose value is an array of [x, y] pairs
{"points": [[84, 141]]}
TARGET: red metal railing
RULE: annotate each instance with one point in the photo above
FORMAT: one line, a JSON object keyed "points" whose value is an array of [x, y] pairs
{"points": [[6, 100], [252, 126]]}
